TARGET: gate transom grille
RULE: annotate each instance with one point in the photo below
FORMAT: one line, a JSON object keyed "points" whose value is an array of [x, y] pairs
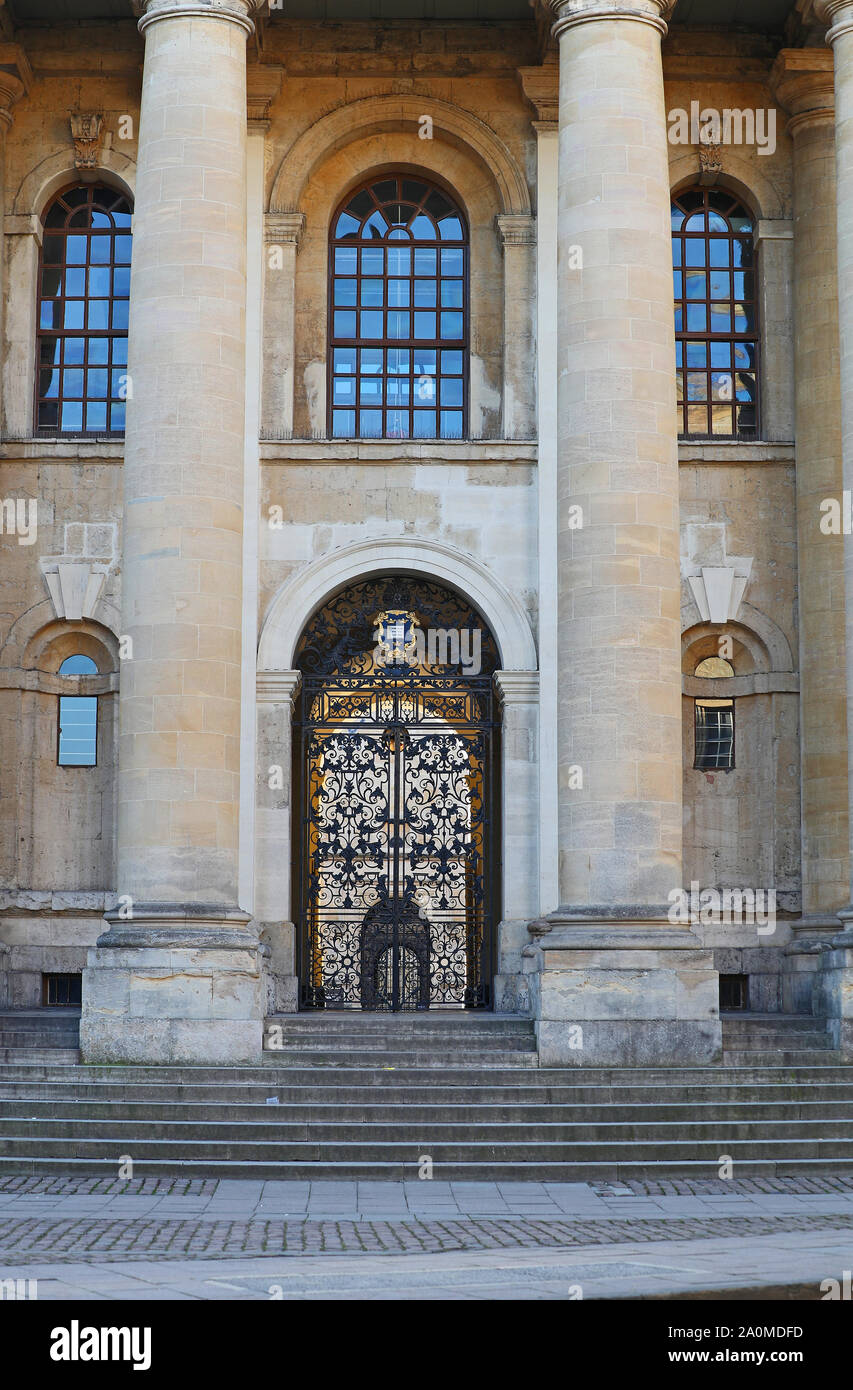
{"points": [[396, 762]]}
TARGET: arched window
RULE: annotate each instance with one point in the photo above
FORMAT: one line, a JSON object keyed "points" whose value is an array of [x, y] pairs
{"points": [[84, 291], [716, 326], [78, 718], [714, 720], [398, 314]]}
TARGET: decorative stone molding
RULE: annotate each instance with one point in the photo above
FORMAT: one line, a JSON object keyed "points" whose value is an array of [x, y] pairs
{"points": [[802, 81], [541, 88], [15, 78], [86, 132], [773, 229], [717, 580], [710, 163], [284, 228], [838, 14], [516, 687], [263, 84], [516, 229], [278, 687], [312, 584], [75, 586], [237, 12], [359, 118], [568, 13], [718, 592]]}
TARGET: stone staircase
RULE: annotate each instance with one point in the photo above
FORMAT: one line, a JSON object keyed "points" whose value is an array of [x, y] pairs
{"points": [[40, 1035], [368, 1096], [798, 1040]]}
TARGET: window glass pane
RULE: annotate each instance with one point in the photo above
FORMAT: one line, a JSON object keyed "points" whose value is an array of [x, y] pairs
{"points": [[344, 323], [399, 260], [372, 293], [451, 294], [371, 360], [343, 424], [425, 389], [344, 359], [425, 260], [345, 292], [78, 724], [424, 421], [370, 424], [451, 391], [96, 415], [370, 324], [451, 424], [74, 313], [78, 665], [451, 325], [346, 260], [425, 325], [398, 360], [344, 390], [398, 293], [399, 324], [451, 363], [372, 260]]}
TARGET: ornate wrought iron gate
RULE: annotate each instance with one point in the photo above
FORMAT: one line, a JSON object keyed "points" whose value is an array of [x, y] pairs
{"points": [[396, 766]]}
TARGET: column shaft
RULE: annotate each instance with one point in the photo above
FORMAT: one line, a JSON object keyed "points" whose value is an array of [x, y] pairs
{"points": [[619, 587], [180, 693], [803, 82]]}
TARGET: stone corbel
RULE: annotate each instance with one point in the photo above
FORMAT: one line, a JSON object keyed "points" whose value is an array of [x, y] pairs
{"points": [[87, 134], [516, 229], [541, 89], [710, 164], [75, 586], [718, 590], [263, 84], [284, 228]]}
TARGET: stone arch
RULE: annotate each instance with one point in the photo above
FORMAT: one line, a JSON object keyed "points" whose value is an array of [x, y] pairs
{"points": [[55, 172], [23, 638], [764, 640], [395, 112], [741, 177], [309, 587]]}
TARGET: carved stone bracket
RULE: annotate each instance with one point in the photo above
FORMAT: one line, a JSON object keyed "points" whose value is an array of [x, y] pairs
{"points": [[87, 133]]}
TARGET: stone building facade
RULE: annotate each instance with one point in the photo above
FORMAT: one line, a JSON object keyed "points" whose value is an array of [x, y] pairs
{"points": [[612, 519]]}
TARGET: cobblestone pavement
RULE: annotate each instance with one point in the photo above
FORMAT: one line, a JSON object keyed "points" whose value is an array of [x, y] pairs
{"points": [[102, 1220]]}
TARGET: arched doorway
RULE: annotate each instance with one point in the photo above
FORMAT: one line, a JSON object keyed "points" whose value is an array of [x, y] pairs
{"points": [[396, 765]]}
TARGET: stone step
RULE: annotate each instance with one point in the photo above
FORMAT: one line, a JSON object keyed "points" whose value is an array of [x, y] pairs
{"points": [[26, 1055], [402, 1111], [429, 1020], [459, 1057], [521, 1151], [806, 1057], [374, 1134], [398, 1171], [630, 1079]]}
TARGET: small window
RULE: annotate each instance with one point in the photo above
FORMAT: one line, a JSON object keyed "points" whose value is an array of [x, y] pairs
{"points": [[78, 718], [734, 992], [62, 991], [715, 734]]}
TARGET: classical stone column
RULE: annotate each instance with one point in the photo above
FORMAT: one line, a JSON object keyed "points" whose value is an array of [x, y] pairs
{"points": [[609, 954], [177, 976], [836, 978], [802, 80]]}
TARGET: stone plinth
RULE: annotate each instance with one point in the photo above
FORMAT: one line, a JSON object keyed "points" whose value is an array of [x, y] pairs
{"points": [[635, 995], [178, 984], [834, 992]]}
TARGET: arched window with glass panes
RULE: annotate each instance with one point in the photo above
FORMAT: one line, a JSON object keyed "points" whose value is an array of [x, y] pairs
{"points": [[716, 323], [84, 293], [398, 313]]}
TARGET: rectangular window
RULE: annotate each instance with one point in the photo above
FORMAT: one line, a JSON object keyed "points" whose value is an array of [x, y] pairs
{"points": [[62, 991], [734, 992], [78, 731], [714, 731]]}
